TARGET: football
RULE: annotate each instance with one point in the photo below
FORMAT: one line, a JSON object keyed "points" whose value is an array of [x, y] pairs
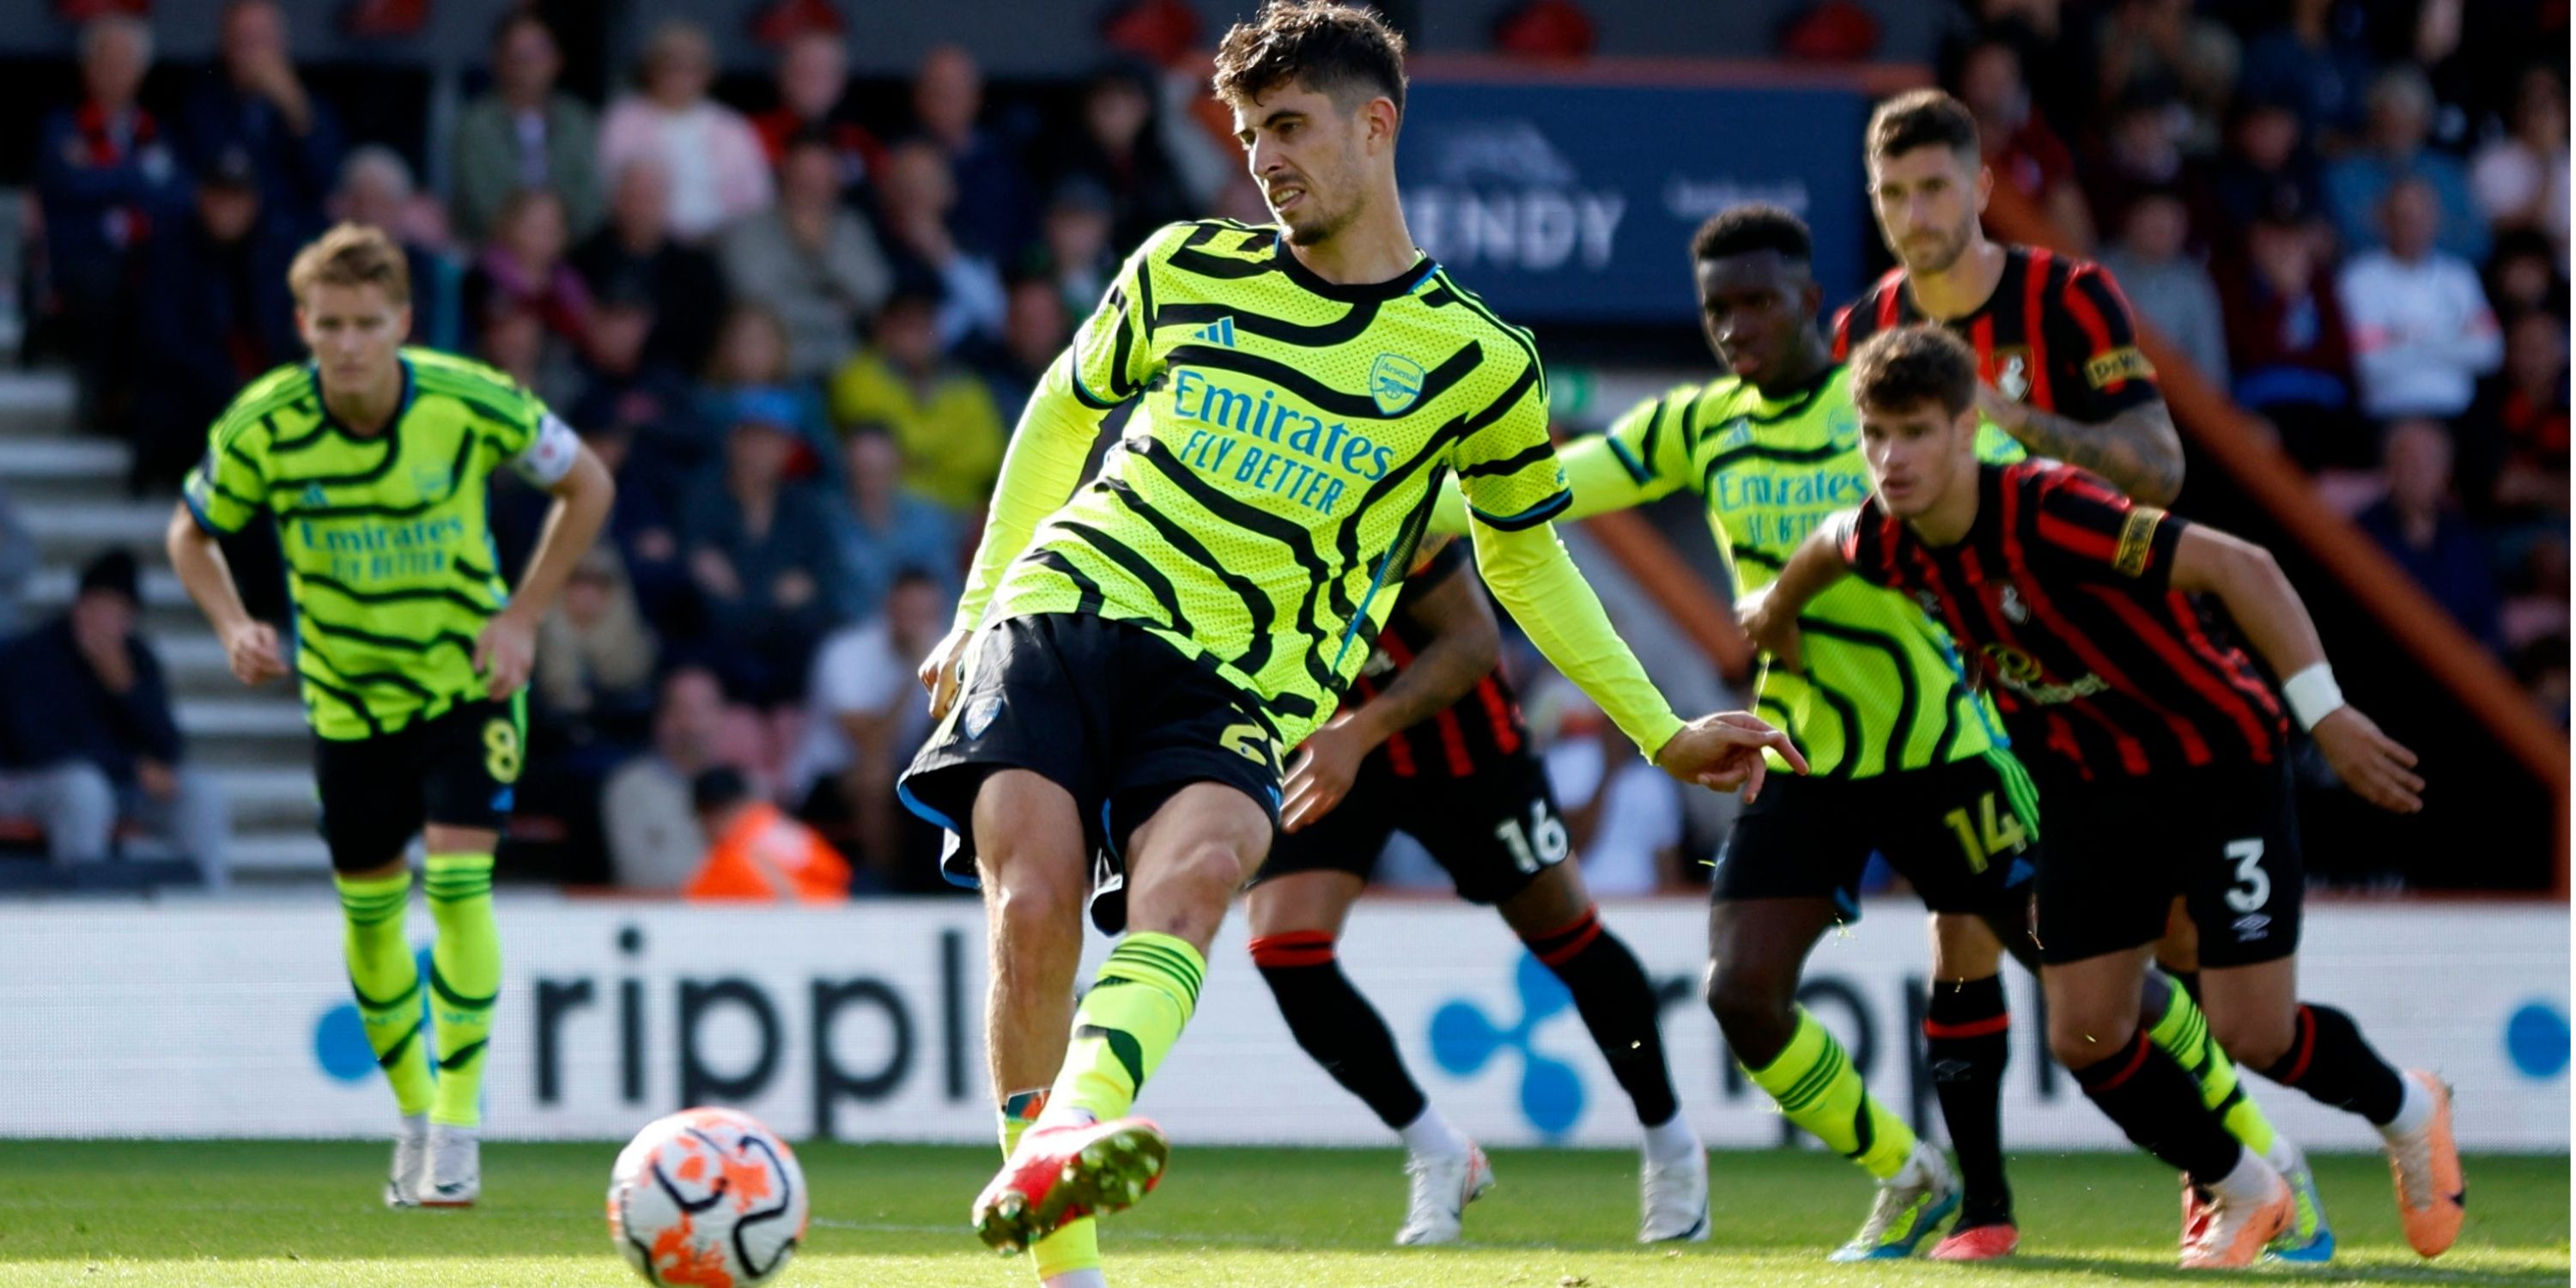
{"points": [[707, 1196]]}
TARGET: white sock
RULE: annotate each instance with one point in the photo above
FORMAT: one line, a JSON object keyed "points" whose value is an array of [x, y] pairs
{"points": [[1915, 1172], [2249, 1182], [2283, 1156], [1672, 1142], [1431, 1134], [2415, 1110], [1087, 1277]]}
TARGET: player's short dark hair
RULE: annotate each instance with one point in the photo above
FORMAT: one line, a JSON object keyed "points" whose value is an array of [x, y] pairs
{"points": [[1341, 50], [352, 255], [1742, 230], [1905, 367], [1922, 118]]}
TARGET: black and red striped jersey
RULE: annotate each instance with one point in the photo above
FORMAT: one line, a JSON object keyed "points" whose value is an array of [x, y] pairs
{"points": [[2062, 591], [1481, 730], [2056, 334]]}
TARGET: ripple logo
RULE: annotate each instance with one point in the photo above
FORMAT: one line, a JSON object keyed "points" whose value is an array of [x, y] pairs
{"points": [[2535, 1039], [1464, 1041], [340, 1036]]}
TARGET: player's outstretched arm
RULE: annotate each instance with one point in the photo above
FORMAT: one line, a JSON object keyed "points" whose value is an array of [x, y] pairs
{"points": [[250, 645], [2244, 577], [1635, 461], [1770, 616], [583, 490], [1534, 577], [1465, 646]]}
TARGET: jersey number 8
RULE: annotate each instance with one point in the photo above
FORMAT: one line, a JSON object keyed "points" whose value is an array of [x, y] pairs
{"points": [[501, 750]]}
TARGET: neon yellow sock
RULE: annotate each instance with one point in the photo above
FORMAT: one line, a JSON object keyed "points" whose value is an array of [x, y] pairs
{"points": [[1815, 1086], [1077, 1245], [387, 982], [464, 981], [1127, 1023], [2183, 1033]]}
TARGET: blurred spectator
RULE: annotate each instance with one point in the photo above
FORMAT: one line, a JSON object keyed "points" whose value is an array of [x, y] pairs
{"points": [[762, 555], [1623, 826], [2535, 606], [1545, 29], [756, 853], [86, 734], [2526, 275], [751, 355], [644, 529], [2514, 439], [376, 190], [710, 154], [17, 563], [526, 133], [940, 413], [2267, 170], [2161, 49], [989, 187], [595, 655], [2316, 62], [1034, 332], [809, 258], [653, 839], [254, 103], [2019, 147], [1119, 147], [865, 718], [1079, 256], [2165, 284], [636, 252], [2286, 337], [2142, 153], [1196, 131], [885, 529], [523, 273], [2521, 178], [2542, 668], [813, 81], [217, 312], [915, 203], [105, 177], [515, 343], [2357, 186], [2424, 531], [2421, 330]]}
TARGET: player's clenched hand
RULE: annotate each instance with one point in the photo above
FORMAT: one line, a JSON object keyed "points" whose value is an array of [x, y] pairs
{"points": [[1326, 766], [2371, 763], [939, 671], [1773, 633], [251, 649], [1723, 752], [504, 654]]}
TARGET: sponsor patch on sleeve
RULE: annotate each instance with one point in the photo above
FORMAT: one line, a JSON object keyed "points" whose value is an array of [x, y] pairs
{"points": [[2124, 363]]}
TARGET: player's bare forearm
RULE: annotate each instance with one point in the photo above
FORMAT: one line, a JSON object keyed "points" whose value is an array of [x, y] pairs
{"points": [[2137, 450], [1466, 643], [582, 498], [199, 561], [2259, 597]]}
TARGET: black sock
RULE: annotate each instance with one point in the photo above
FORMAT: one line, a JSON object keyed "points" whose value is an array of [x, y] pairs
{"points": [[2333, 1064], [1336, 1025], [2158, 1106], [1617, 1005], [1967, 1040]]}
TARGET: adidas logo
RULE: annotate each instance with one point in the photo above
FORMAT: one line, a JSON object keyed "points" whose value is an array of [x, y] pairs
{"points": [[1219, 332], [313, 497]]}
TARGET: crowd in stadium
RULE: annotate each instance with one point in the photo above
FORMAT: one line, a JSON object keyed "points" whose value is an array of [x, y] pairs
{"points": [[800, 333]]}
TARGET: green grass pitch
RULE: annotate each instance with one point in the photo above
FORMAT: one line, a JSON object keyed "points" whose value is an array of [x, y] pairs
{"points": [[285, 1213]]}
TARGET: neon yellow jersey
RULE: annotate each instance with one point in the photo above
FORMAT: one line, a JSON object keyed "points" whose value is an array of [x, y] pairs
{"points": [[389, 558], [1883, 690], [1288, 437]]}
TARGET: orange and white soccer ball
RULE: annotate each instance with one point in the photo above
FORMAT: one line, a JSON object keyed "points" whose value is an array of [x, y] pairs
{"points": [[708, 1198]]}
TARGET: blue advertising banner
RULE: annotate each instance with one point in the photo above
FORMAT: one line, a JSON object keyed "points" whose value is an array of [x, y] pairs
{"points": [[1576, 203]]}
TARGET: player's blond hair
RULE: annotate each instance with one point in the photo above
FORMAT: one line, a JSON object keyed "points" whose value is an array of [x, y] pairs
{"points": [[352, 255]]}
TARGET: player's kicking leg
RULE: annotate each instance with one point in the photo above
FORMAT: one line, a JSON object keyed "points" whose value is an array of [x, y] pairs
{"points": [[1297, 917], [1757, 948], [1555, 916]]}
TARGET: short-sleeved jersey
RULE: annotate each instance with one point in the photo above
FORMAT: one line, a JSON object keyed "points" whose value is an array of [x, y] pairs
{"points": [[1472, 735], [389, 556], [1882, 691], [2062, 589], [2056, 334], [1287, 440]]}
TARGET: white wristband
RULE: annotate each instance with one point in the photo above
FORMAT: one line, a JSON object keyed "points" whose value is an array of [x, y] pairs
{"points": [[2313, 694]]}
